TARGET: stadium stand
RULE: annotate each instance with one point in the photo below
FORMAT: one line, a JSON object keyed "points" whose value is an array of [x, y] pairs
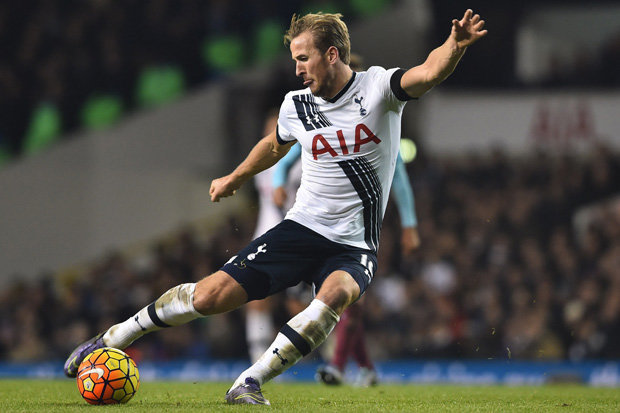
{"points": [[103, 47], [158, 85], [100, 112], [44, 128], [500, 267], [268, 41], [224, 54]]}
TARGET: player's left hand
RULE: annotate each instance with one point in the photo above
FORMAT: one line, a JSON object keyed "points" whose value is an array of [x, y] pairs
{"points": [[468, 30], [409, 240]]}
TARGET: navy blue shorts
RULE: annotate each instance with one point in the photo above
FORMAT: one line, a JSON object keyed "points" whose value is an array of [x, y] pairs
{"points": [[290, 253]]}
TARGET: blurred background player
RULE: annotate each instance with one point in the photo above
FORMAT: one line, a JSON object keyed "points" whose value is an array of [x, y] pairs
{"points": [[277, 187], [259, 327]]}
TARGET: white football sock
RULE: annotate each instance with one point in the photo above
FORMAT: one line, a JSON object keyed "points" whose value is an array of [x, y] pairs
{"points": [[302, 334], [173, 308], [258, 331]]}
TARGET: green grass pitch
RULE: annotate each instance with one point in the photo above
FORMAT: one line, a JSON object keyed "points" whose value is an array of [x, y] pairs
{"points": [[62, 396]]}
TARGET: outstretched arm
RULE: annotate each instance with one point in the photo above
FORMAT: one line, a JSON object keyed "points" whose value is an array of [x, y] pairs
{"points": [[264, 155], [442, 61]]}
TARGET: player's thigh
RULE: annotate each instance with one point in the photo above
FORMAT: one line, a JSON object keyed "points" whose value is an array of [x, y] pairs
{"points": [[279, 259], [218, 293]]}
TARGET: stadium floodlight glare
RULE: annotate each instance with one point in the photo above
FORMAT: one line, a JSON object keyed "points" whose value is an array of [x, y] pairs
{"points": [[408, 150]]}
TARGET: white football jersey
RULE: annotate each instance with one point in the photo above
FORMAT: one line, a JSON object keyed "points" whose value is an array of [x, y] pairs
{"points": [[349, 149]]}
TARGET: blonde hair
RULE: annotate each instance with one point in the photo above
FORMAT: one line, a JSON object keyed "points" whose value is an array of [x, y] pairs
{"points": [[327, 30]]}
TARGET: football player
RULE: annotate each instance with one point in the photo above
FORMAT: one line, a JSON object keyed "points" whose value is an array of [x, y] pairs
{"points": [[348, 125]]}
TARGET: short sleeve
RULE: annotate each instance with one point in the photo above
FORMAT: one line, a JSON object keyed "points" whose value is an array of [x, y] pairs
{"points": [[285, 118], [388, 80]]}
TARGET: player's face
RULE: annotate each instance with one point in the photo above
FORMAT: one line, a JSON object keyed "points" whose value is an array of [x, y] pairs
{"points": [[311, 65]]}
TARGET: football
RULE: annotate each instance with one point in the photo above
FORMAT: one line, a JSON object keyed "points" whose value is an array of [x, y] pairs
{"points": [[108, 376]]}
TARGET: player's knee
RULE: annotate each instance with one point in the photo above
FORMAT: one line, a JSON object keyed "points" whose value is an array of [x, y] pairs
{"points": [[218, 293], [339, 292], [203, 303], [338, 298]]}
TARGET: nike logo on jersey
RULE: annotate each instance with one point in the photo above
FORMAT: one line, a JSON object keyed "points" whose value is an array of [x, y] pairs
{"points": [[320, 145], [97, 370]]}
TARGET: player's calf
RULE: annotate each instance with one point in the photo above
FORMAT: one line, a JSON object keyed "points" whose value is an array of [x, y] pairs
{"points": [[174, 307], [302, 334]]}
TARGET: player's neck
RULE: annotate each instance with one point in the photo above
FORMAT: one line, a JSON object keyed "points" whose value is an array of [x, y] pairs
{"points": [[342, 76]]}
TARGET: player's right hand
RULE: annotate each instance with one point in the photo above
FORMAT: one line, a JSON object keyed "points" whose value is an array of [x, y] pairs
{"points": [[410, 240], [223, 187]]}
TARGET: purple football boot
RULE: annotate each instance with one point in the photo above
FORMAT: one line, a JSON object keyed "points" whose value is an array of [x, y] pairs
{"points": [[247, 393], [80, 353]]}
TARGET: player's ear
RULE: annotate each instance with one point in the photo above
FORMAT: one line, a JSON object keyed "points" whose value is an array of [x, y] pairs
{"points": [[332, 54]]}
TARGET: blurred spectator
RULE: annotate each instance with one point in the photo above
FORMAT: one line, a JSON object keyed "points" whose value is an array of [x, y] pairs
{"points": [[64, 53], [502, 273], [610, 59]]}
